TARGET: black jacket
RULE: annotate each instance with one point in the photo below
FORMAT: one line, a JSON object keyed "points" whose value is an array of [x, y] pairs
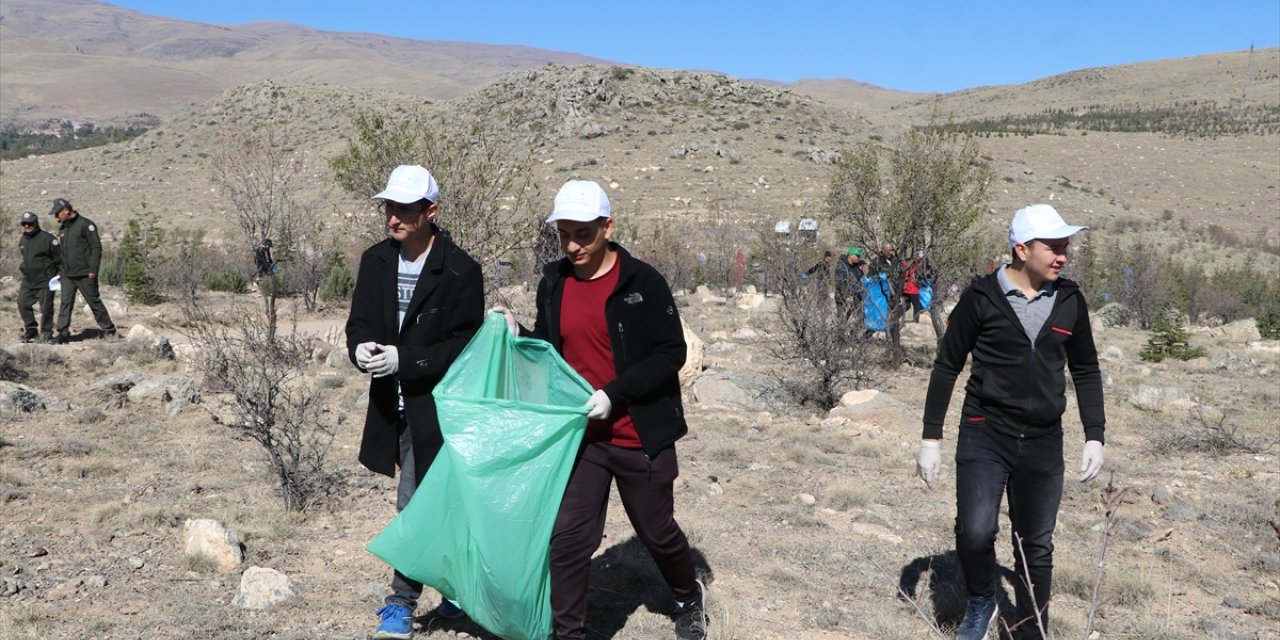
{"points": [[647, 341], [446, 310], [40, 257], [1015, 388], [81, 247]]}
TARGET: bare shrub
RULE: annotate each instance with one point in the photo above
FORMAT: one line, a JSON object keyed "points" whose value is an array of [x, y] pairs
{"points": [[275, 406], [1210, 431], [824, 338]]}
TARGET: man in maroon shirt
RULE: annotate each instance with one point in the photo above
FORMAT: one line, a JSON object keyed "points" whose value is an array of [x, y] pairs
{"points": [[612, 318]]}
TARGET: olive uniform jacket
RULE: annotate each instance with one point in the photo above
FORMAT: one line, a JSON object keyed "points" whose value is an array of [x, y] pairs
{"points": [[81, 247], [446, 310], [39, 251]]}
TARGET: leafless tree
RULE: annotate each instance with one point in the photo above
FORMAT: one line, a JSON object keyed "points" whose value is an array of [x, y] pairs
{"points": [[923, 192], [487, 193]]}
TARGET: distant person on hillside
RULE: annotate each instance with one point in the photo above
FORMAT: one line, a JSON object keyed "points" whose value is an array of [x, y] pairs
{"points": [[40, 257], [916, 273], [820, 270], [613, 319], [418, 300], [81, 259], [1021, 324], [263, 259], [849, 273]]}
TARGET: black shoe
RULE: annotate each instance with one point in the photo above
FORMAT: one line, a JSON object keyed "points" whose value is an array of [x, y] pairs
{"points": [[28, 336], [691, 617], [62, 338], [110, 335]]}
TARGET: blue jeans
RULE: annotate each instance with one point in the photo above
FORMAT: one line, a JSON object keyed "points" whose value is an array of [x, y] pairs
{"points": [[1029, 471]]}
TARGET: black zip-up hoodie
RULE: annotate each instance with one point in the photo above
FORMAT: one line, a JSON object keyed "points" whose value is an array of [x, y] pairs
{"points": [[1015, 388], [646, 338]]}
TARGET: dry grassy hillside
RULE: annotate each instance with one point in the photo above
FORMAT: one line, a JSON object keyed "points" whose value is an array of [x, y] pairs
{"points": [[689, 146], [88, 60]]}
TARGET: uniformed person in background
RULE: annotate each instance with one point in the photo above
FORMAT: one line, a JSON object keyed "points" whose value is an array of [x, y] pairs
{"points": [[40, 256], [81, 257]]}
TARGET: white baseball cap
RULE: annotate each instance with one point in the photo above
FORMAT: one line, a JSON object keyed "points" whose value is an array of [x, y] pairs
{"points": [[409, 183], [1039, 221], [580, 201]]}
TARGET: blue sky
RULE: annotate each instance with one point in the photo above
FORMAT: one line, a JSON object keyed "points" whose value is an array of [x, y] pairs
{"points": [[927, 45]]}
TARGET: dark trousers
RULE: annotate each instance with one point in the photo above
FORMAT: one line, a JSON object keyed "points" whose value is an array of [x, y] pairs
{"points": [[28, 296], [646, 490], [1029, 472], [88, 287], [405, 590]]}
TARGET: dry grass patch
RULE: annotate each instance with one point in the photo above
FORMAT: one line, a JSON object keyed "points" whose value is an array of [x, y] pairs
{"points": [[846, 495]]}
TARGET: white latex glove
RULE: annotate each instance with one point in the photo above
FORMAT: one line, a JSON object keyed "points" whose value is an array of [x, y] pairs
{"points": [[512, 326], [599, 405], [385, 362], [1091, 461], [364, 351], [929, 461]]}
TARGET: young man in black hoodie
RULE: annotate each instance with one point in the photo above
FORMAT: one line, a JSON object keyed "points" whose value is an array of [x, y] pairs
{"points": [[1022, 324], [611, 316]]}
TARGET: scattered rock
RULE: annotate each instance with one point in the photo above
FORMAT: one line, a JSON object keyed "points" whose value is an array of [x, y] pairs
{"points": [[262, 588], [208, 538], [869, 406], [338, 358], [1112, 315], [1161, 495], [17, 399], [806, 499], [1111, 354], [1180, 513], [1238, 331], [1265, 346], [141, 335], [164, 390], [695, 356], [746, 389], [1149, 398]]}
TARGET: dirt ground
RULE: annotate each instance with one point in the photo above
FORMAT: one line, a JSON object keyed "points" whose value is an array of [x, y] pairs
{"points": [[806, 524]]}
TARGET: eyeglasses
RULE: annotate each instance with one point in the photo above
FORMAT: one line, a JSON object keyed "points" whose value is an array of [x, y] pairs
{"points": [[401, 210]]}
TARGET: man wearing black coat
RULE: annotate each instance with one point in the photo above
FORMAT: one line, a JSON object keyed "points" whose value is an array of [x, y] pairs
{"points": [[418, 300], [40, 257]]}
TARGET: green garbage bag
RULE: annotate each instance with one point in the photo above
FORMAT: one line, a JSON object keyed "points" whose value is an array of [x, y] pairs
{"points": [[478, 528]]}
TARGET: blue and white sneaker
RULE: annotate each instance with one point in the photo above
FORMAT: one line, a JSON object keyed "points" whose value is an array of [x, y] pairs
{"points": [[977, 619], [397, 622]]}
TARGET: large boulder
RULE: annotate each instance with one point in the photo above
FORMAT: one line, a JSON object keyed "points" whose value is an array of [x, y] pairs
{"points": [[206, 538], [877, 409], [144, 337], [263, 588], [18, 399], [1113, 315]]}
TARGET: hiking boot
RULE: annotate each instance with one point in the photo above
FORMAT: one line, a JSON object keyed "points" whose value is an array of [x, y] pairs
{"points": [[448, 610], [110, 334], [28, 336], [397, 622], [691, 617], [62, 338], [977, 619], [45, 339]]}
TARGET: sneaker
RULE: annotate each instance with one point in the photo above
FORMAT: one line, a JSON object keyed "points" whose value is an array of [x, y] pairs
{"points": [[691, 617], [397, 622], [977, 619], [448, 610]]}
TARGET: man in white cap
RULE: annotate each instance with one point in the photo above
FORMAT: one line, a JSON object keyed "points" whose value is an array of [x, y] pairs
{"points": [[1022, 324], [613, 319], [417, 302]]}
